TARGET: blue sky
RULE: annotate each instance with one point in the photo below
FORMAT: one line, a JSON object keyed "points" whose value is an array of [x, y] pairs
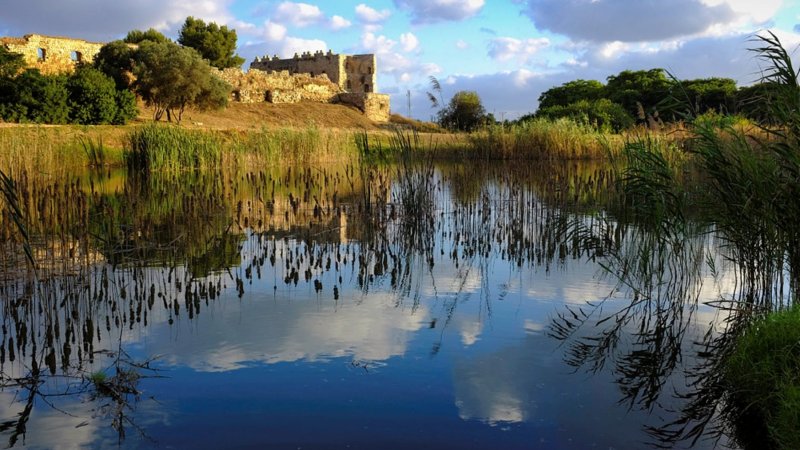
{"points": [[509, 51]]}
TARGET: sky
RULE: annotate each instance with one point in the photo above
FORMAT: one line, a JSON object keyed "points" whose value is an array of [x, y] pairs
{"points": [[508, 51]]}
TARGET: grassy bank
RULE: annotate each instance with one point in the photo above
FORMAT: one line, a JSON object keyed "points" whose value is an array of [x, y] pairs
{"points": [[65, 149], [763, 381]]}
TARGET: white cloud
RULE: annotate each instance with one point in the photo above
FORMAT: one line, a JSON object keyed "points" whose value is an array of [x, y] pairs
{"points": [[274, 31], [292, 45], [507, 48], [430, 11], [629, 20], [392, 62], [339, 23], [372, 16], [409, 42], [462, 44], [298, 14]]}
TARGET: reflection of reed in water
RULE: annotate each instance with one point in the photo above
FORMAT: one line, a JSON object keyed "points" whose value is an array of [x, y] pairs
{"points": [[116, 255]]}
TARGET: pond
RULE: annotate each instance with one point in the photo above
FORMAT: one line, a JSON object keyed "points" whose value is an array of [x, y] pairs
{"points": [[353, 306]]}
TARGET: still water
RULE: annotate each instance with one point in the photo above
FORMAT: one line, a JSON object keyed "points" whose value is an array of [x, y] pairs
{"points": [[345, 307]]}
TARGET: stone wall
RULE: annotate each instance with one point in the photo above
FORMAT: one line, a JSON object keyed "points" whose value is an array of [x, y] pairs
{"points": [[52, 55], [278, 87], [360, 72], [374, 106], [352, 73]]}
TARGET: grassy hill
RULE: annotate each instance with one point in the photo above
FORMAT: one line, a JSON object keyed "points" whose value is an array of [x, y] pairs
{"points": [[247, 116]]}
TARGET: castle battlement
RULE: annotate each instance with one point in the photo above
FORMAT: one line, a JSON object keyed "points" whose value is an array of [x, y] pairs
{"points": [[352, 73]]}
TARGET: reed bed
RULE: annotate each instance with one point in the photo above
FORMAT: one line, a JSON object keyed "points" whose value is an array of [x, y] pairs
{"points": [[543, 139]]}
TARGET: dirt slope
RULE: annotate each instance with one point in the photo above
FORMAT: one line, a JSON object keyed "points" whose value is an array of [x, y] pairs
{"points": [[258, 115]]}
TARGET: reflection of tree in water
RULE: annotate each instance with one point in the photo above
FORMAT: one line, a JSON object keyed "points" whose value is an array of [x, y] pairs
{"points": [[116, 257], [666, 268]]}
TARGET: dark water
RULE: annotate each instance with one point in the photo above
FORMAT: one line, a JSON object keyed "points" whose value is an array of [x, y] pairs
{"points": [[346, 307]]}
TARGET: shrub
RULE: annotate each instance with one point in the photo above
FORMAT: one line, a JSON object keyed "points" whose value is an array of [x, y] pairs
{"points": [[33, 97], [763, 378], [92, 97], [602, 114]]}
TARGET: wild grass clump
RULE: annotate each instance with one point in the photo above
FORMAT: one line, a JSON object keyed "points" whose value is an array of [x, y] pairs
{"points": [[166, 147], [289, 145], [763, 380], [543, 139]]}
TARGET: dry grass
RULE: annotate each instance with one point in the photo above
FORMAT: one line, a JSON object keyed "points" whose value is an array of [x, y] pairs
{"points": [[249, 116]]}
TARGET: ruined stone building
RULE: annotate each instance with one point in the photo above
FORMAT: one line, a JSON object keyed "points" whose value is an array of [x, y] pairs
{"points": [[52, 55], [352, 73], [320, 77]]}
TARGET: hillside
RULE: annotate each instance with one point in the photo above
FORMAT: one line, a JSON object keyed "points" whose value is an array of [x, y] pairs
{"points": [[257, 115]]}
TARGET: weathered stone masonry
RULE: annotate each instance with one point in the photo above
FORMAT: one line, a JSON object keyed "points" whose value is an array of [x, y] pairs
{"points": [[52, 55], [324, 78], [352, 73]]}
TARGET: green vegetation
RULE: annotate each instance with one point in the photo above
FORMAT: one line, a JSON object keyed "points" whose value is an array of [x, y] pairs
{"points": [[640, 96], [763, 377], [214, 43], [94, 99], [464, 112], [157, 147], [84, 97], [139, 36], [602, 114], [542, 139], [750, 197], [170, 77]]}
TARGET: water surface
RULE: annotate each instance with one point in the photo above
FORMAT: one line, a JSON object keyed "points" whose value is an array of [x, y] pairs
{"points": [[344, 307]]}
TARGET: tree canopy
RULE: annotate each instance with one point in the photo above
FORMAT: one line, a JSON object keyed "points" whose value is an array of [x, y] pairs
{"points": [[152, 35], [11, 64], [571, 92], [465, 112], [639, 91], [214, 43], [170, 77]]}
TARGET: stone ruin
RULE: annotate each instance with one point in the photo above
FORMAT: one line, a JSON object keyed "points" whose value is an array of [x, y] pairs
{"points": [[319, 77], [52, 55], [352, 73]]}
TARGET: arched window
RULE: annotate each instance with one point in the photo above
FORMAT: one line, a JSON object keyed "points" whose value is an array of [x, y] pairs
{"points": [[41, 54]]}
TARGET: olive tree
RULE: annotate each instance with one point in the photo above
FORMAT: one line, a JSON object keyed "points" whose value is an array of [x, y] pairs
{"points": [[170, 78]]}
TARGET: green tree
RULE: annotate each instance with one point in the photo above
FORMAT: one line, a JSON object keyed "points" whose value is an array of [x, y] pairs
{"points": [[755, 102], [93, 99], [116, 60], [639, 91], [465, 112], [138, 36], [170, 77], [571, 92], [37, 98], [711, 94], [216, 44], [11, 64], [602, 114]]}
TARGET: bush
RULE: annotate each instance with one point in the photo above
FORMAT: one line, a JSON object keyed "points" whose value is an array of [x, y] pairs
{"points": [[763, 379], [464, 113], [92, 97], [602, 114], [33, 97]]}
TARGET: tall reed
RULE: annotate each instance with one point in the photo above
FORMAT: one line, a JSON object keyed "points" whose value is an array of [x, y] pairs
{"points": [[164, 147], [542, 139]]}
